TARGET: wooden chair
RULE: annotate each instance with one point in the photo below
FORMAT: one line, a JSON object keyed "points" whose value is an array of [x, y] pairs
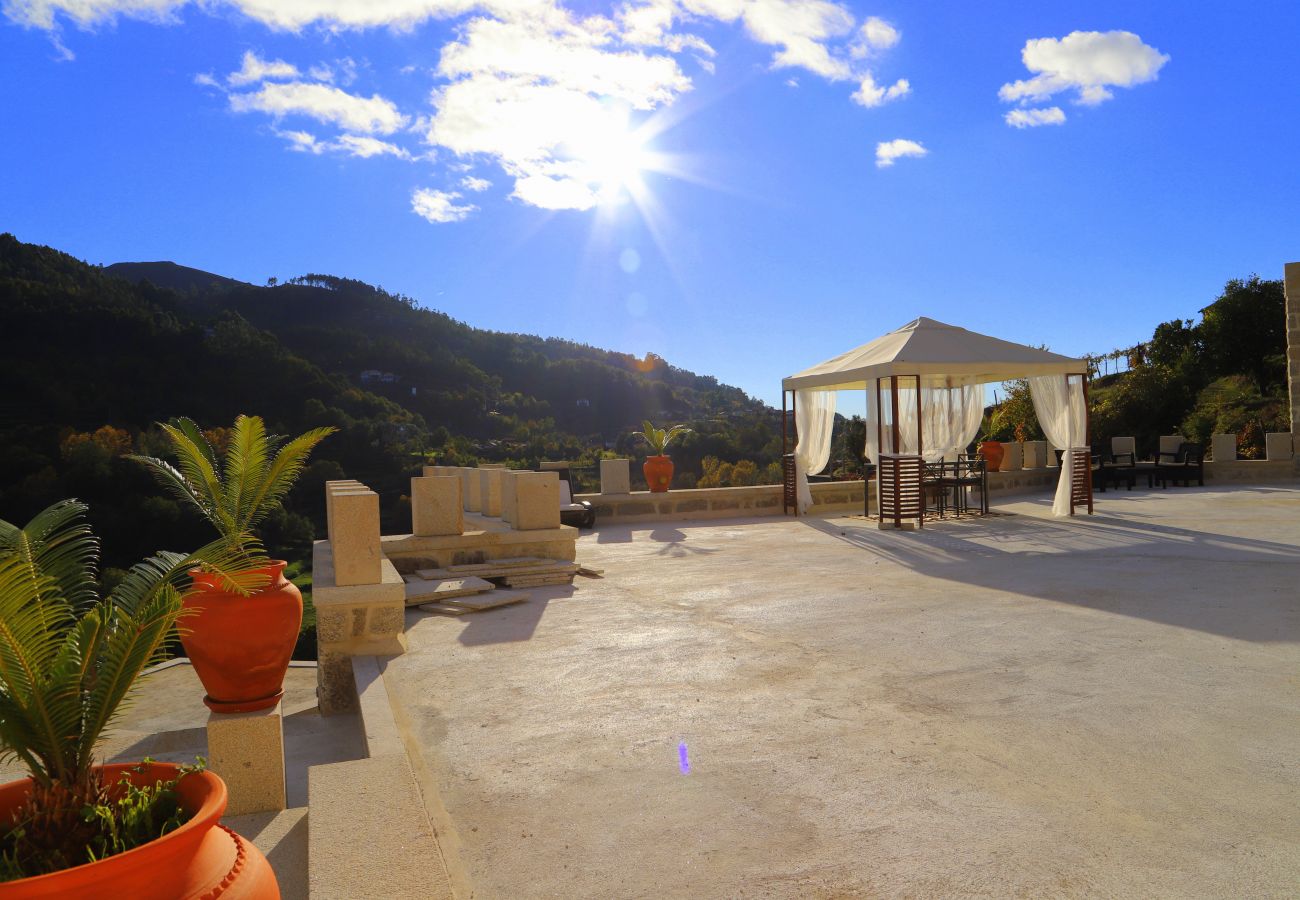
{"points": [[1183, 465]]}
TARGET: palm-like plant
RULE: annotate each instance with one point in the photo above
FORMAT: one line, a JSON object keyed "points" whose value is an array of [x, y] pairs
{"points": [[237, 493], [69, 658], [659, 438]]}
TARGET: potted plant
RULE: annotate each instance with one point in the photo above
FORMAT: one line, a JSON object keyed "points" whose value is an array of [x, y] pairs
{"points": [[239, 645], [69, 658], [658, 468], [991, 451]]}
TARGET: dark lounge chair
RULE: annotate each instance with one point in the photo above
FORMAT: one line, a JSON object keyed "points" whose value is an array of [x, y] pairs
{"points": [[1182, 466]]}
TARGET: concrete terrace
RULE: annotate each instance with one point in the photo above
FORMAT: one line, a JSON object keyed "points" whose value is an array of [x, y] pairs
{"points": [[1018, 706]]}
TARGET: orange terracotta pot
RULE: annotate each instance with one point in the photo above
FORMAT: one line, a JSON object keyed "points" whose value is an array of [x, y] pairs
{"points": [[992, 451], [658, 471], [240, 646], [199, 859]]}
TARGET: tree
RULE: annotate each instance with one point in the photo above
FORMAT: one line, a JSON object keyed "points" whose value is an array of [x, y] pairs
{"points": [[1244, 332]]}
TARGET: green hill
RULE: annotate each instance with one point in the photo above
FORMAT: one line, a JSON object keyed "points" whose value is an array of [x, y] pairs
{"points": [[94, 360]]}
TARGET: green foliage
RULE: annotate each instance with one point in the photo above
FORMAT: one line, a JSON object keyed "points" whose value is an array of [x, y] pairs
{"points": [[1222, 375], [237, 488], [114, 820], [1014, 418], [658, 439], [69, 657]]}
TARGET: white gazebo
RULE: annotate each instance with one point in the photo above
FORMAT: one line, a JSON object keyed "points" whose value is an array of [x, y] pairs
{"points": [[924, 392]]}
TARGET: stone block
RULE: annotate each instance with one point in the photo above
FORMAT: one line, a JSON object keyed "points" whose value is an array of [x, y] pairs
{"points": [[330, 488], [335, 690], [436, 506], [1035, 455], [355, 540], [508, 496], [536, 501], [615, 476], [1013, 456], [247, 751], [489, 486], [1223, 447], [1277, 445], [471, 490]]}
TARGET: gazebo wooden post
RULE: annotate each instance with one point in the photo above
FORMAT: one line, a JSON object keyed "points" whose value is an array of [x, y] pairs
{"points": [[920, 450], [785, 447], [1087, 436]]}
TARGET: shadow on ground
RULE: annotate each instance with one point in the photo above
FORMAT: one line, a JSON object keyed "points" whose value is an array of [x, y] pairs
{"points": [[1128, 566]]}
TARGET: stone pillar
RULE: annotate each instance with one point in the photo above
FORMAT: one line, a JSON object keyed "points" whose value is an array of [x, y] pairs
{"points": [[471, 490], [360, 598], [615, 476], [1035, 454], [1292, 284], [489, 487], [436, 506], [536, 501], [330, 488], [354, 535], [247, 751], [1278, 445], [1013, 457], [508, 496], [1223, 447]]}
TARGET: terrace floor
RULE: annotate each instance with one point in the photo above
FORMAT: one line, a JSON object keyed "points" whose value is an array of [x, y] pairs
{"points": [[1018, 706]]}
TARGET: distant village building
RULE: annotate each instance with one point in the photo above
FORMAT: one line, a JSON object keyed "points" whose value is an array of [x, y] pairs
{"points": [[374, 376]]}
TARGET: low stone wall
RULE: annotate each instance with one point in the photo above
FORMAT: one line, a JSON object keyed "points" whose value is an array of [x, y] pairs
{"points": [[829, 498], [1252, 470], [720, 503]]}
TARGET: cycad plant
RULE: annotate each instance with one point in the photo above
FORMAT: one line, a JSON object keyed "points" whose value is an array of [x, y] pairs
{"points": [[68, 660], [235, 493], [659, 438]]}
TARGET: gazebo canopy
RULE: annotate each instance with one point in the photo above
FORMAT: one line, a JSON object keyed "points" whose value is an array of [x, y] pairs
{"points": [[942, 355]]}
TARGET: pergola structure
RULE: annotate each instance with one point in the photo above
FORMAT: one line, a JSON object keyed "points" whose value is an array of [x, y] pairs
{"points": [[945, 368]]}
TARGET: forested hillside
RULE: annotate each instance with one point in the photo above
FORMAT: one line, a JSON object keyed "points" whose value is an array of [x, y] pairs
{"points": [[93, 361]]}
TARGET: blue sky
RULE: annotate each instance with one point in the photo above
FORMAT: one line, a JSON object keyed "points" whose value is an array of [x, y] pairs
{"points": [[697, 178]]}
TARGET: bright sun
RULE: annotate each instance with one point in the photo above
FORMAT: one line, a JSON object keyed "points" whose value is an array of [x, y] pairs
{"points": [[611, 156]]}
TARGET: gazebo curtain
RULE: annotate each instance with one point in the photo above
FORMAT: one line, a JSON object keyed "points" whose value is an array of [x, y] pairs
{"points": [[1063, 416], [814, 419], [950, 420]]}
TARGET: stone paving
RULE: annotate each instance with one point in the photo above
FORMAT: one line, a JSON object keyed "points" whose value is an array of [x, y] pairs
{"points": [[1018, 706]]}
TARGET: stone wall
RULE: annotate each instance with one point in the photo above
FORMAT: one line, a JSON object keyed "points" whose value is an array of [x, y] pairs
{"points": [[1255, 471], [829, 498]]}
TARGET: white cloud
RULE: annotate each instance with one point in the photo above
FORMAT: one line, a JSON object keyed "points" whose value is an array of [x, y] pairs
{"points": [[256, 69], [366, 147], [1032, 118], [544, 91], [870, 94], [1089, 62], [371, 115], [548, 192], [439, 206], [86, 13], [477, 185], [888, 151], [876, 34], [801, 29], [350, 144]]}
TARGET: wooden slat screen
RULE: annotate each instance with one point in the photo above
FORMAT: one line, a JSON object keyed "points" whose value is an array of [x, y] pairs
{"points": [[898, 479], [1080, 478], [790, 492]]}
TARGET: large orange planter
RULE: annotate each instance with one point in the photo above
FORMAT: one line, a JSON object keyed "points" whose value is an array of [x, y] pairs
{"points": [[240, 646], [992, 451], [199, 859], [658, 471]]}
